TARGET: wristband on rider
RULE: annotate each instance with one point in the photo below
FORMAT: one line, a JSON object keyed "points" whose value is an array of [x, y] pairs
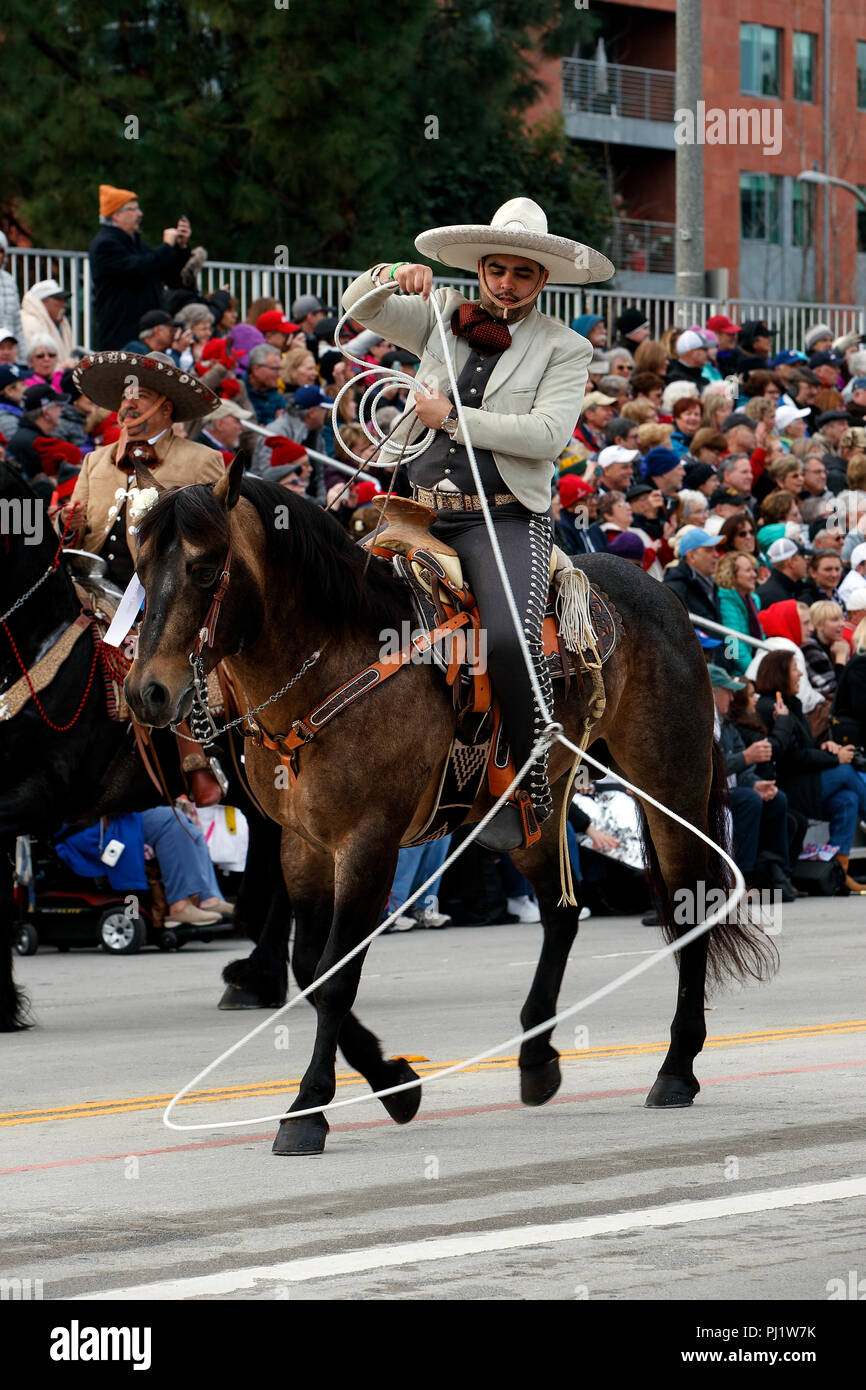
{"points": [[395, 267]]}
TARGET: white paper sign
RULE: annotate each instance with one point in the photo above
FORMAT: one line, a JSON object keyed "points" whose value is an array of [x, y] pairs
{"points": [[127, 612]]}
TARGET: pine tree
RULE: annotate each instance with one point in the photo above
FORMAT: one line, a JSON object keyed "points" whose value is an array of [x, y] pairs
{"points": [[336, 129]]}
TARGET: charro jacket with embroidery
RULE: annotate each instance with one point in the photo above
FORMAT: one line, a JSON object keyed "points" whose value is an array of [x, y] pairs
{"points": [[180, 462]]}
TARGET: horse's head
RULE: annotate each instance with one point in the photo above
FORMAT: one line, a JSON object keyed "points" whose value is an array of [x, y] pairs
{"points": [[184, 542]]}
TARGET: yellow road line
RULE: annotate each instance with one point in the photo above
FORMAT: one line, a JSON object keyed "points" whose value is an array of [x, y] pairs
{"points": [[92, 1109]]}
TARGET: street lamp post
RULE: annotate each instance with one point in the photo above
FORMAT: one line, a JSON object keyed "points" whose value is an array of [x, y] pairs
{"points": [[817, 176]]}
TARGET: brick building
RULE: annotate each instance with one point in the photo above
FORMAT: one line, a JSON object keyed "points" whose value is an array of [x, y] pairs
{"points": [[761, 57]]}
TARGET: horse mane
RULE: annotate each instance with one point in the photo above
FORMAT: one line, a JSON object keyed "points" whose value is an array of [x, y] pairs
{"points": [[312, 554]]}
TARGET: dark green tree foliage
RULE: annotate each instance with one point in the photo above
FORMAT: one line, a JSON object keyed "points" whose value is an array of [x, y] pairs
{"points": [[337, 129]]}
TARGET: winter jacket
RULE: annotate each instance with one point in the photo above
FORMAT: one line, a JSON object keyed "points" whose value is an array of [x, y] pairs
{"points": [[850, 702], [10, 308], [798, 759], [128, 276], [680, 443], [21, 449], [36, 321], [266, 404], [10, 419], [733, 609], [678, 371], [578, 540], [778, 588], [693, 592], [734, 749], [822, 670]]}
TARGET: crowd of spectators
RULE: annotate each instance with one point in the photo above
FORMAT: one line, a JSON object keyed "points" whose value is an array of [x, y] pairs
{"points": [[734, 472], [730, 469]]}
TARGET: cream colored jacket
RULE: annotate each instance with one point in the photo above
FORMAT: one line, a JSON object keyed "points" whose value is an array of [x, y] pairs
{"points": [[533, 397], [36, 321], [180, 462]]}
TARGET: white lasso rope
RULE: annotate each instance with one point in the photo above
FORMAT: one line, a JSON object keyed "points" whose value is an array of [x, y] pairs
{"points": [[552, 730]]}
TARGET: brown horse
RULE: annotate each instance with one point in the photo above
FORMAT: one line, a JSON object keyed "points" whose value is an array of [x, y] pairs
{"points": [[298, 586]]}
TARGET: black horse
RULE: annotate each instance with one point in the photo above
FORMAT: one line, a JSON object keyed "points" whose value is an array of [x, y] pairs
{"points": [[51, 775], [301, 591]]}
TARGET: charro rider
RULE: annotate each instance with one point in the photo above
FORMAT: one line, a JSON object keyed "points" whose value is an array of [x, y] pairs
{"points": [[149, 393], [521, 379]]}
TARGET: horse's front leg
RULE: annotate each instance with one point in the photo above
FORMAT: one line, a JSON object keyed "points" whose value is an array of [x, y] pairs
{"points": [[363, 875], [540, 1075]]}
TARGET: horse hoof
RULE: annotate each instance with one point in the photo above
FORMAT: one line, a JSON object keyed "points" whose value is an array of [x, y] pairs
{"points": [[238, 997], [671, 1093], [538, 1084], [402, 1107], [301, 1137]]}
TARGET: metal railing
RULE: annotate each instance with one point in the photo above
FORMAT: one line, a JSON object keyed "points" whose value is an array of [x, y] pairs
{"points": [[248, 282], [612, 89], [641, 247]]}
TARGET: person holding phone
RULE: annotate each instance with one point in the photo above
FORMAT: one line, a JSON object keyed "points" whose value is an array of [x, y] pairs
{"points": [[128, 275]]}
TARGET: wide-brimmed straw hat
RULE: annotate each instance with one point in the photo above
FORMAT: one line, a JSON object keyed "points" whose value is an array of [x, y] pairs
{"points": [[103, 376], [517, 227]]}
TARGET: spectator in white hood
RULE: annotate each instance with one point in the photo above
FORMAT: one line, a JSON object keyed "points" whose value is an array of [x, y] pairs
{"points": [[43, 315]]}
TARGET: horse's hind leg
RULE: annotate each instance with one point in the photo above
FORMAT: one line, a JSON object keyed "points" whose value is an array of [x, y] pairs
{"points": [[682, 864], [540, 1075], [680, 869]]}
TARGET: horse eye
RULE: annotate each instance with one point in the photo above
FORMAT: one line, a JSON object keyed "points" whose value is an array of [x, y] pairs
{"points": [[204, 575]]}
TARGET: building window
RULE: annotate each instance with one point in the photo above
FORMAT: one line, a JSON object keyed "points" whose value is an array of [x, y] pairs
{"points": [[802, 213], [861, 76], [804, 49], [760, 60], [761, 208]]}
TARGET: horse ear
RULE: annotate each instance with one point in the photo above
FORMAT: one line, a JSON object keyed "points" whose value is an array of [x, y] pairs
{"points": [[144, 478], [227, 489]]}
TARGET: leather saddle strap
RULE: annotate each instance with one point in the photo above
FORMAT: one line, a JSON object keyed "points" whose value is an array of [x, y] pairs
{"points": [[304, 730], [208, 629], [231, 708], [142, 742]]}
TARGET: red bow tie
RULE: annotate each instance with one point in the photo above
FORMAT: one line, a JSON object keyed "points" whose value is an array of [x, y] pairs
{"points": [[480, 329]]}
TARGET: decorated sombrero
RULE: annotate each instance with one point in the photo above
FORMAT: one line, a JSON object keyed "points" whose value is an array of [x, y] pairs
{"points": [[103, 376], [517, 227]]}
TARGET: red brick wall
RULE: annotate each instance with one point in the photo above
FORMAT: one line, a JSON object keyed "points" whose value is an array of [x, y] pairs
{"points": [[647, 40]]}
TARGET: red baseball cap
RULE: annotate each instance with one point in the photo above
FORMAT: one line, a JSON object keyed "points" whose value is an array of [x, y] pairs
{"points": [[572, 486], [272, 321], [365, 491], [720, 323]]}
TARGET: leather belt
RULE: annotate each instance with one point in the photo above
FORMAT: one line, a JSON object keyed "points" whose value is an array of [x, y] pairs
{"points": [[459, 501]]}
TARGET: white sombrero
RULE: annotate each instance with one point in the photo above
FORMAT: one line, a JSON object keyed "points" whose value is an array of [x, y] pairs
{"points": [[519, 225]]}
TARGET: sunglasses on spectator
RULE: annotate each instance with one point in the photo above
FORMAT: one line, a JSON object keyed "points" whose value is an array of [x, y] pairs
{"points": [[747, 532], [45, 354]]}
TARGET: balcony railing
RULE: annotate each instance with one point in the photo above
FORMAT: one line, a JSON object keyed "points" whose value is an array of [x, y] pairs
{"points": [[645, 94], [639, 247]]}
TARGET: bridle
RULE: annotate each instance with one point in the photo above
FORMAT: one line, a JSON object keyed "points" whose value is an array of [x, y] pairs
{"points": [[201, 721]]}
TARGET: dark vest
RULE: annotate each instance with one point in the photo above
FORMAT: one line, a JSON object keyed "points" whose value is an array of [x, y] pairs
{"points": [[445, 458]]}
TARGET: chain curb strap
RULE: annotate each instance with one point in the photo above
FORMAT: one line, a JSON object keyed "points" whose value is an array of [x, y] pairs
{"points": [[201, 722]]}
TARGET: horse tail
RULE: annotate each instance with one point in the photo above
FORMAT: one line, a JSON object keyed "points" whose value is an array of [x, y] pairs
{"points": [[737, 948]]}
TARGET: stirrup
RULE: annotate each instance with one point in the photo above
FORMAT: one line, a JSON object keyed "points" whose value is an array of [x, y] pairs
{"points": [[515, 826]]}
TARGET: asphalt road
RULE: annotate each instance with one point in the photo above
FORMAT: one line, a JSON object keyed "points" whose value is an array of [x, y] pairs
{"points": [[758, 1191]]}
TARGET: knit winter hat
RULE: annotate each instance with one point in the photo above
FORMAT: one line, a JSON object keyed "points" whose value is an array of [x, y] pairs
{"points": [[113, 199]]}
